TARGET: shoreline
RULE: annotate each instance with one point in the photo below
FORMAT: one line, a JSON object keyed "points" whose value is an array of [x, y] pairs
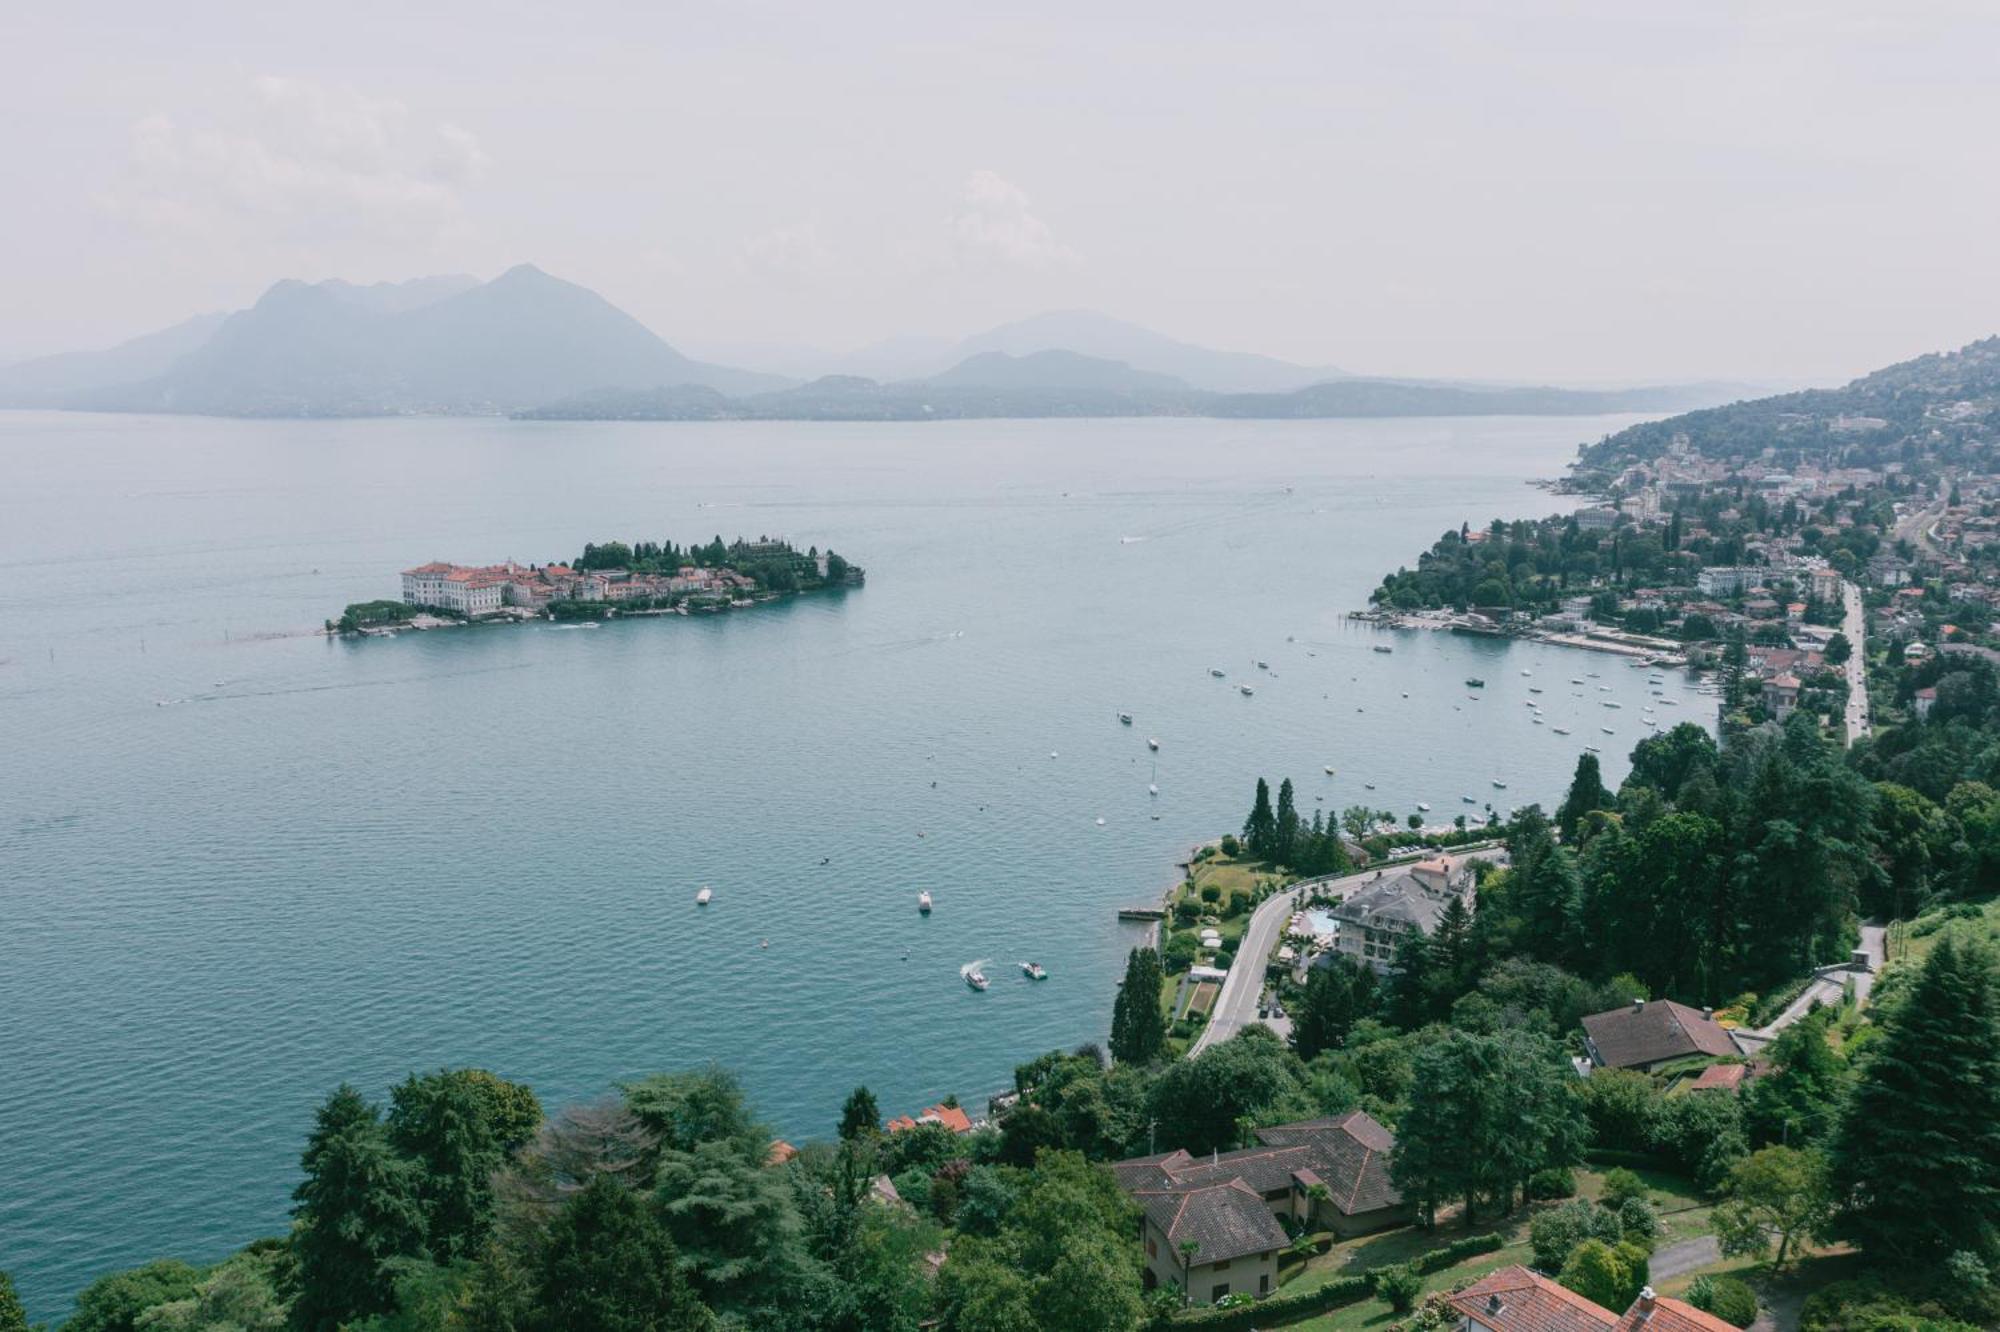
{"points": [[1654, 651]]}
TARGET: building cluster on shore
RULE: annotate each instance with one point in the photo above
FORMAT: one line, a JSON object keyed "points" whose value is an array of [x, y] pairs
{"points": [[488, 589]]}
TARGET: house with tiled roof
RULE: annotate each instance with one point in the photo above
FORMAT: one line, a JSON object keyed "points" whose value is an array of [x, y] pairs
{"points": [[1322, 1174], [1515, 1299], [1720, 1077], [1374, 919], [950, 1116], [1645, 1034]]}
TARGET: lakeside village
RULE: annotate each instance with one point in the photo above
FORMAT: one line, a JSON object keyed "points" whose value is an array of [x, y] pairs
{"points": [[1715, 1050], [648, 578]]}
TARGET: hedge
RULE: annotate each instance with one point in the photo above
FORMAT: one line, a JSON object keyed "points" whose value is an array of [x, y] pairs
{"points": [[1456, 1252], [1282, 1307]]}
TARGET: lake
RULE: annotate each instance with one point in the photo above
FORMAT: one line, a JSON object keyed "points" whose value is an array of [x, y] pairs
{"points": [[241, 862]]}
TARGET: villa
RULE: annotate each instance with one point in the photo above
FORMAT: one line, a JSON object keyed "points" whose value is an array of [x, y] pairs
{"points": [[1645, 1034], [1515, 1299], [488, 589], [1374, 920]]}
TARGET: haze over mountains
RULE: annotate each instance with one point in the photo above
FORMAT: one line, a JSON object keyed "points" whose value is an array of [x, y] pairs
{"points": [[527, 343]]}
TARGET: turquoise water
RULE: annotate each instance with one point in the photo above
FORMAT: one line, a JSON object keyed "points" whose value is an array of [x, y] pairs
{"points": [[240, 862]]}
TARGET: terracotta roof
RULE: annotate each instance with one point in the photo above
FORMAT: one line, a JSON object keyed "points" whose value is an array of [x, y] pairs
{"points": [[781, 1152], [1514, 1299], [1223, 1221], [1720, 1077], [950, 1116], [1660, 1314], [1651, 1032]]}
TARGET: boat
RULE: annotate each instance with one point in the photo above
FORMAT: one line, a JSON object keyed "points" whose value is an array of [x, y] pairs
{"points": [[1593, 749], [974, 976], [1470, 800], [1607, 730], [703, 897], [1534, 689], [1034, 971], [1153, 743], [1245, 690], [1100, 820], [1382, 647], [1263, 665], [1329, 770], [1527, 672], [1574, 680], [1475, 682], [1423, 808], [1671, 702], [1368, 785], [1125, 718], [1152, 788], [1537, 721], [1562, 730], [1499, 785], [924, 902], [1611, 704], [1215, 671]]}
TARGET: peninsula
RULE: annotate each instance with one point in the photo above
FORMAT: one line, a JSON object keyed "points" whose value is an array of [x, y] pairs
{"points": [[645, 577]]}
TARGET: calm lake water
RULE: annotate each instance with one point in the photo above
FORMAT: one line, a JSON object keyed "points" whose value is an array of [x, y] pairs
{"points": [[240, 862]]}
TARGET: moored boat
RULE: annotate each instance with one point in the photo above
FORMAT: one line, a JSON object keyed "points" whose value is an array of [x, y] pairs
{"points": [[703, 897], [924, 901], [1125, 718], [1034, 971]]}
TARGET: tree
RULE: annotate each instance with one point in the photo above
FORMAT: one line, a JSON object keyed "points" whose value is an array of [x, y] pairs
{"points": [[1586, 795], [1838, 649], [450, 1124], [1262, 826], [1285, 828], [115, 1303], [13, 1318], [860, 1116], [1201, 1103], [608, 1265], [1917, 1155], [732, 1220], [1779, 1194], [356, 1210], [1485, 1113], [1798, 1102], [680, 1111], [1555, 1234], [1339, 992], [1138, 1027]]}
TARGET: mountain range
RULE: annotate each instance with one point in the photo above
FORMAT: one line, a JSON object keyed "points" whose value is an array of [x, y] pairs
{"points": [[530, 344]]}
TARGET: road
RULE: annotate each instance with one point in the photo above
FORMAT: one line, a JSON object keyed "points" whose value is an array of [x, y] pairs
{"points": [[1826, 989], [1855, 627], [1672, 1260], [1236, 1007]]}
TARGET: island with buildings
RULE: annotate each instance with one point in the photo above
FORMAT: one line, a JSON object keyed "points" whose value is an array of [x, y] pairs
{"points": [[647, 577]]}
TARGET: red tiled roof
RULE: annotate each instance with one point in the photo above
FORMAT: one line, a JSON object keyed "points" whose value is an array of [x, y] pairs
{"points": [[1514, 1299], [1661, 1314], [950, 1116], [1720, 1077]]}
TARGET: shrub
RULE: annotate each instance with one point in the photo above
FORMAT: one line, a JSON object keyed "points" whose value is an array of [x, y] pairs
{"points": [[1181, 952], [1621, 1184], [1554, 1182], [1239, 902], [1231, 847], [1602, 1274], [1555, 1235], [1211, 893], [1283, 1307], [1186, 912], [1639, 1222], [1456, 1252], [1726, 1298], [1398, 1286]]}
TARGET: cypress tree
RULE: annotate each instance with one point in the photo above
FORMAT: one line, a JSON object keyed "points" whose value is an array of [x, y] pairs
{"points": [[859, 1115], [441, 1124], [1138, 1028], [356, 1210], [1262, 826], [1917, 1156], [1586, 794], [1339, 993], [1285, 834]]}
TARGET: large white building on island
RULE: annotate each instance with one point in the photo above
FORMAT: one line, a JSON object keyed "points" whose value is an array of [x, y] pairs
{"points": [[487, 589]]}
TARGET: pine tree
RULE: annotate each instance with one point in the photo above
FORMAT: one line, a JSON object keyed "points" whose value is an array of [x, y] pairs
{"points": [[441, 1124], [1285, 835], [1586, 794], [13, 1318], [1339, 993], [1407, 996], [356, 1210], [1260, 829], [1138, 1028], [1917, 1156], [860, 1115], [608, 1265]]}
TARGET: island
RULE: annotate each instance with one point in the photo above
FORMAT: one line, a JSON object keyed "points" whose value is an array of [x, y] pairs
{"points": [[644, 577]]}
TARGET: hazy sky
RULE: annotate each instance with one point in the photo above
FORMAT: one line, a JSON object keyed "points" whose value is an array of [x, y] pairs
{"points": [[1527, 189]]}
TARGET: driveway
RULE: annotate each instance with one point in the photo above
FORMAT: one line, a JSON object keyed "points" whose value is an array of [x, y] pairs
{"points": [[1674, 1260], [1827, 987]]}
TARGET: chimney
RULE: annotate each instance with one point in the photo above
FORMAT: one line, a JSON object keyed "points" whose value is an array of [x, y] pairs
{"points": [[1708, 1014], [1493, 1303], [1643, 1308], [1638, 1005]]}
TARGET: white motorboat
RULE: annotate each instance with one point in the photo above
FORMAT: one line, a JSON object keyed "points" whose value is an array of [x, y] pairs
{"points": [[1100, 820], [974, 976], [1329, 770], [1499, 785], [1034, 971], [705, 896], [1380, 647], [1423, 808], [1470, 800], [924, 901], [1152, 788], [1246, 690], [1610, 704], [1562, 730], [1153, 743], [1263, 665], [1607, 730], [1215, 671], [1125, 718]]}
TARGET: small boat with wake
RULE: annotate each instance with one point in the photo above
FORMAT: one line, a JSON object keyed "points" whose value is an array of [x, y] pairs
{"points": [[1034, 971], [973, 976]]}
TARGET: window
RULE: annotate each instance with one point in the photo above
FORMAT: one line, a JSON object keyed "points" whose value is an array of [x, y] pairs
{"points": [[1264, 1283], [1221, 1289]]}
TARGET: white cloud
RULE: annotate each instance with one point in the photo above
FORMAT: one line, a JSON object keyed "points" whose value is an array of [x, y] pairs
{"points": [[794, 251], [298, 160], [996, 220]]}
